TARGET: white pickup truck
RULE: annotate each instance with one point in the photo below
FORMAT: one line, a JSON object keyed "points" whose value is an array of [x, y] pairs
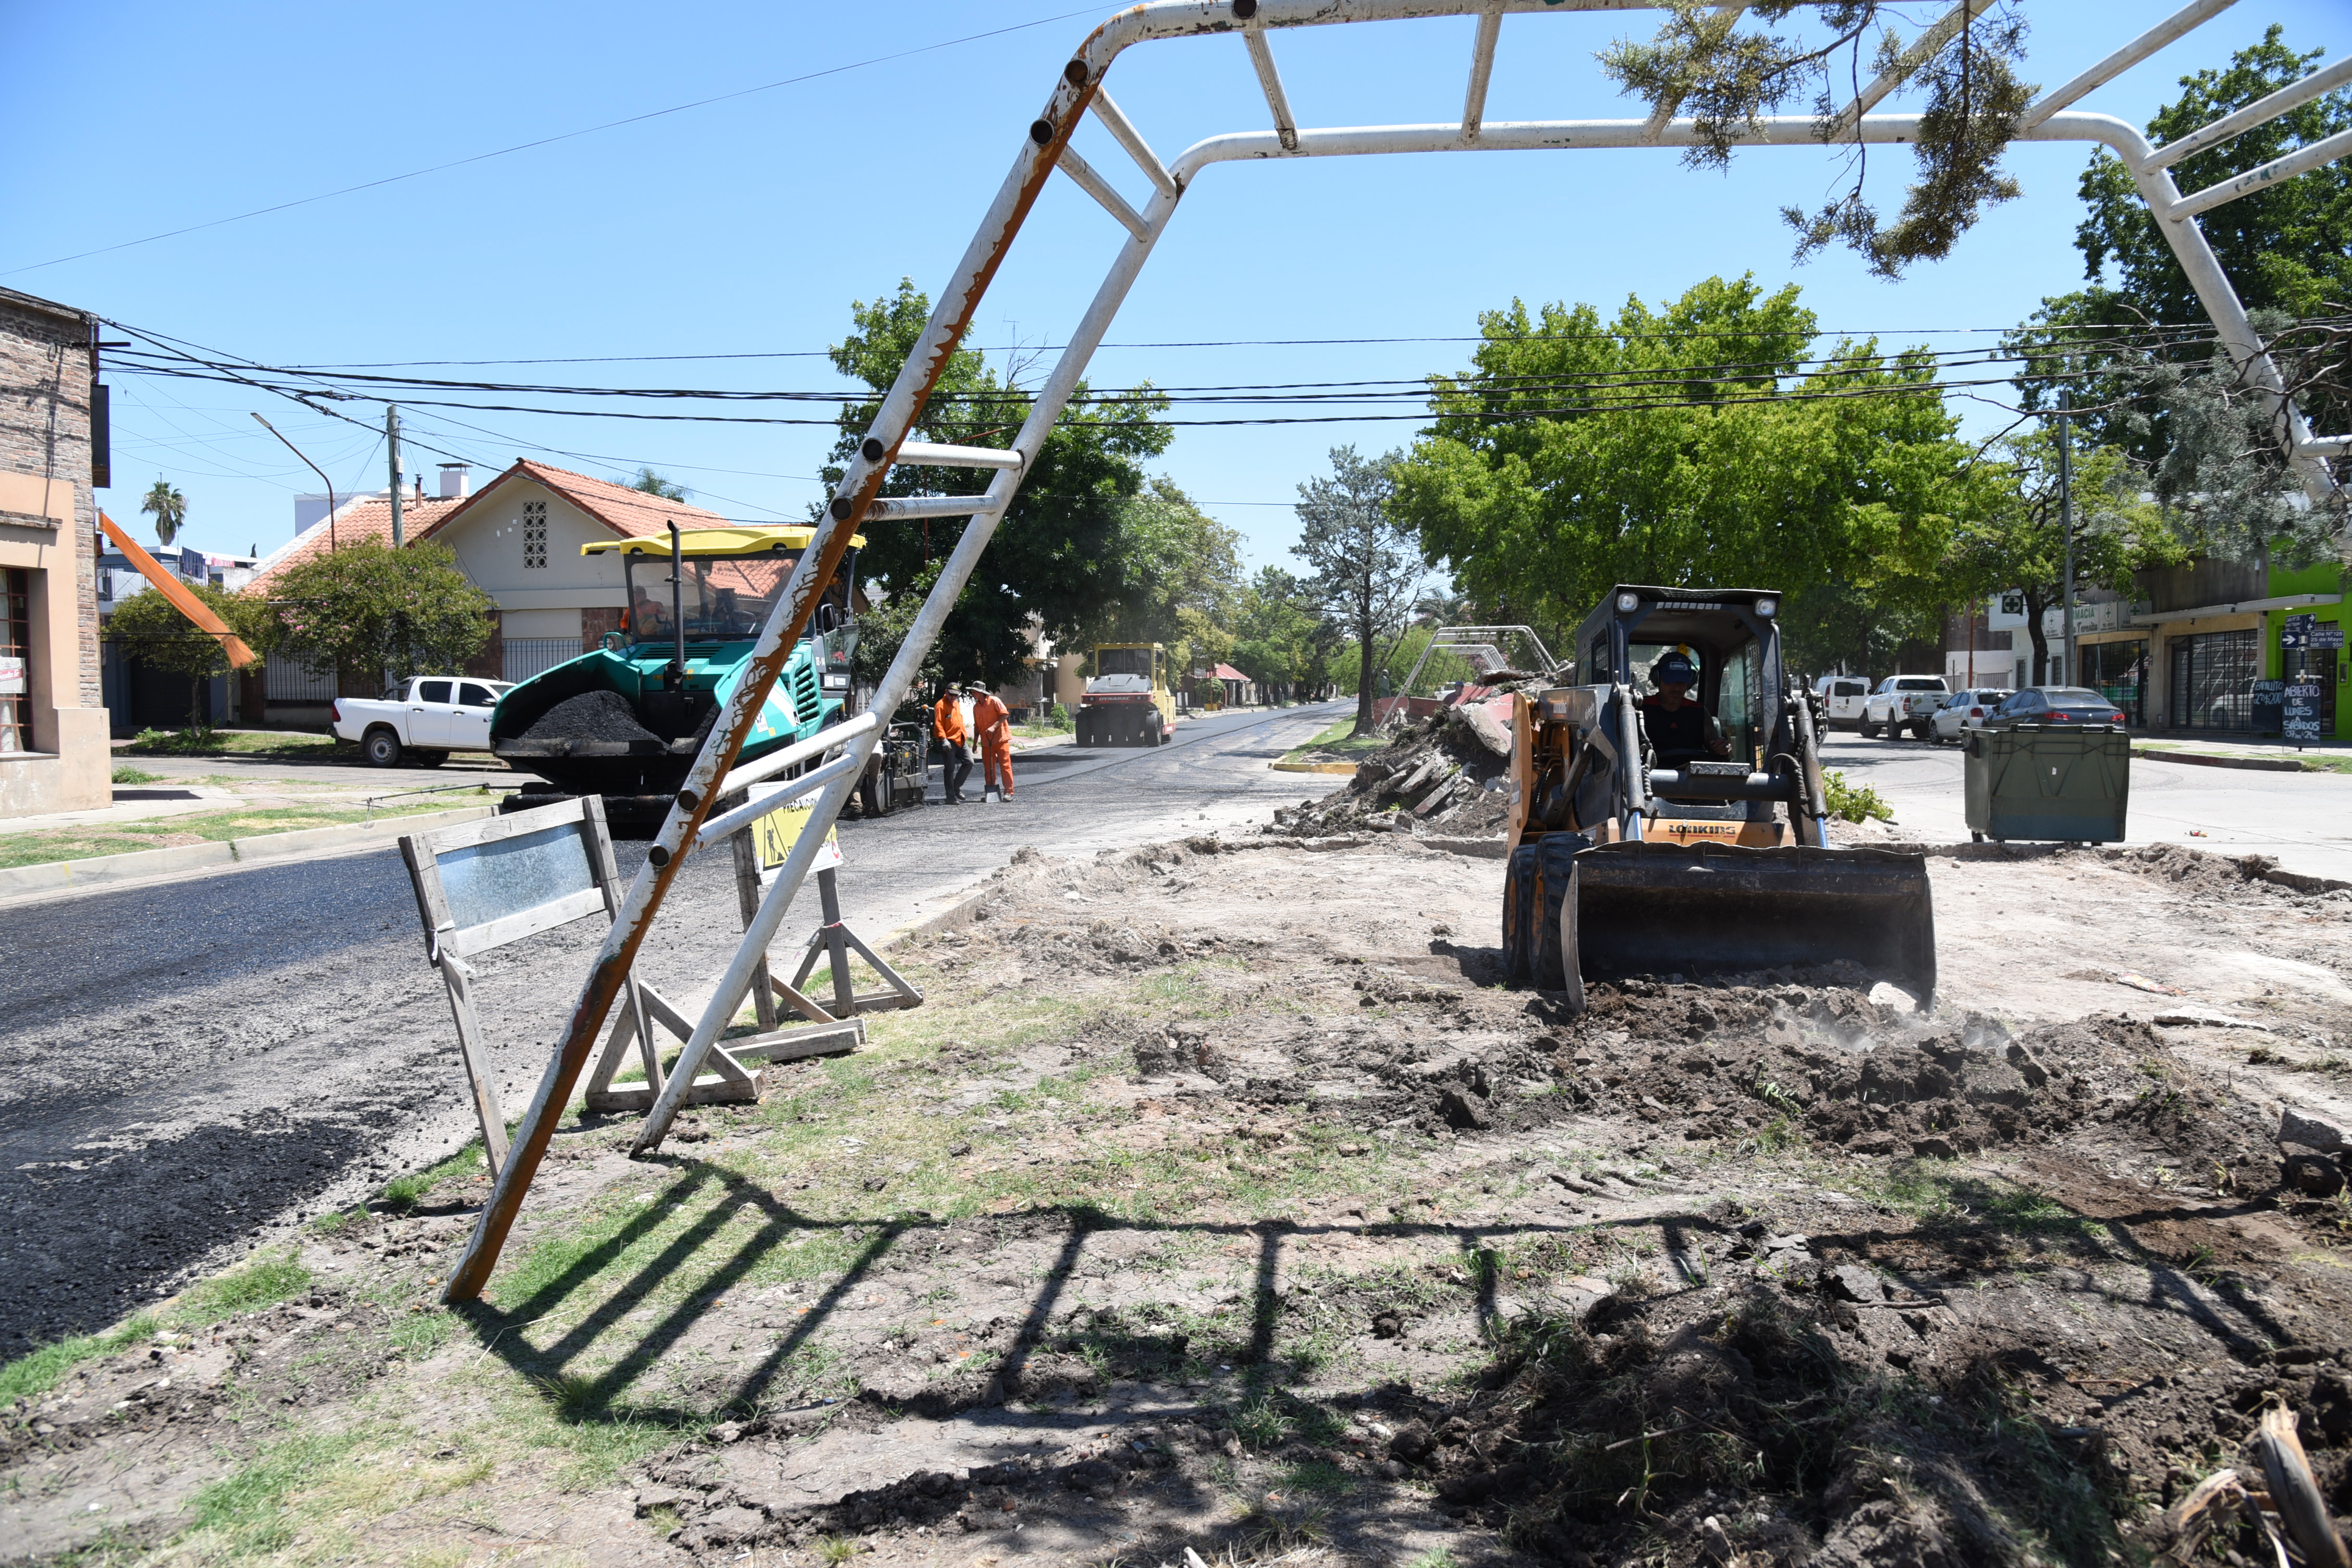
{"points": [[1904, 701], [423, 721]]}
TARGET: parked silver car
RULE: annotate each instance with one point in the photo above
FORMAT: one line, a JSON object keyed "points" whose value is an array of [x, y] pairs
{"points": [[1967, 711]]}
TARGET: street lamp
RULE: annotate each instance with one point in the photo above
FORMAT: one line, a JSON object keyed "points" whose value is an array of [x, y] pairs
{"points": [[314, 468]]}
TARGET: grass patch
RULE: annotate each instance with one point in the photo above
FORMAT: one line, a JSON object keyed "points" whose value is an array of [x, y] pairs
{"points": [[403, 1193], [246, 1510], [233, 743], [1337, 743], [48, 844], [130, 775], [265, 1281]]}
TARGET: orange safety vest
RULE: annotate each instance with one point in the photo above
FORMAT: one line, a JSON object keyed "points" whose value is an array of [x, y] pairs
{"points": [[947, 720], [989, 717]]}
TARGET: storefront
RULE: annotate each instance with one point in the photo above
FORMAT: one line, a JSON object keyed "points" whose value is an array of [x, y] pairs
{"points": [[2115, 666], [2213, 678]]}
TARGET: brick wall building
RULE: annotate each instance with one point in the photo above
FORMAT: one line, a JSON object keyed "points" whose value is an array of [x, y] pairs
{"points": [[53, 732]]}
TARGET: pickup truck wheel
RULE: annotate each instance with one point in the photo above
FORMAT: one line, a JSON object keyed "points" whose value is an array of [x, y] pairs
{"points": [[380, 748], [1922, 730], [1866, 730]]}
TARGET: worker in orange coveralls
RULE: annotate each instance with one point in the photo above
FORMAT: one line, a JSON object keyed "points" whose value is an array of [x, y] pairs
{"points": [[955, 760], [992, 721]]}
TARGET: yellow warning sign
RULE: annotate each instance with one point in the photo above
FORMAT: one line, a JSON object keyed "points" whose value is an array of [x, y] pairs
{"points": [[774, 834]]}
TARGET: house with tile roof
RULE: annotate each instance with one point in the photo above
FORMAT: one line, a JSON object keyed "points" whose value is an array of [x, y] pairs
{"points": [[518, 539]]}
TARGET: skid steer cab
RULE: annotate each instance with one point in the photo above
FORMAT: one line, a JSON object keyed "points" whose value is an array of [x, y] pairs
{"points": [[1669, 817], [1127, 701]]}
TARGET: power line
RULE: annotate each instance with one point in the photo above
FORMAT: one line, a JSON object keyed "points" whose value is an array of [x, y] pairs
{"points": [[550, 141], [1227, 343]]}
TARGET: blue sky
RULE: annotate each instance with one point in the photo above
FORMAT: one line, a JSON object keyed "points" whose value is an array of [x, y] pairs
{"points": [[747, 226]]}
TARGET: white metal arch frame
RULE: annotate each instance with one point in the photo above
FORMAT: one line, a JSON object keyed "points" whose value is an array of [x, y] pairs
{"points": [[1079, 90]]}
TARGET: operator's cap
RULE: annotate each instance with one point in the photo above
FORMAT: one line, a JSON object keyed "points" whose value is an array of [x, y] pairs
{"points": [[1674, 670]]}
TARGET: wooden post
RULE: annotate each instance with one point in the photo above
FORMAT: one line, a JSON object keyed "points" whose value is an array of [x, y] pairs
{"points": [[747, 898]]}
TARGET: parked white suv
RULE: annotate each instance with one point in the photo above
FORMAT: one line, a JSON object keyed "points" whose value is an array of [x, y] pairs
{"points": [[1968, 711], [424, 720], [1904, 701], [1841, 698]]}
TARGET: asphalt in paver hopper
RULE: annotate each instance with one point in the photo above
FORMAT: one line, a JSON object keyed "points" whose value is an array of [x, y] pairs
{"points": [[625, 720], [1680, 825]]}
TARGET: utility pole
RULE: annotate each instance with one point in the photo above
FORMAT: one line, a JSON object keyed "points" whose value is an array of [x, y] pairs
{"points": [[2065, 524], [392, 445]]}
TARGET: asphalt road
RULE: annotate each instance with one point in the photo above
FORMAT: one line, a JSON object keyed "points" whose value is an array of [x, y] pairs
{"points": [[203, 1062], [2303, 821]]}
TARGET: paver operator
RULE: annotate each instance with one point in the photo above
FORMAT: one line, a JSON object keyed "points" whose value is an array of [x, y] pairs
{"points": [[955, 760], [993, 722], [1680, 731]]}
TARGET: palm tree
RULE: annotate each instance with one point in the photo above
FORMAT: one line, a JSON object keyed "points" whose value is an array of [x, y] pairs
{"points": [[168, 507]]}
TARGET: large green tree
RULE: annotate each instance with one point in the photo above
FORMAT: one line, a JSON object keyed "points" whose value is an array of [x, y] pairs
{"points": [[2287, 249], [370, 611], [152, 630], [1691, 444], [1075, 555]]}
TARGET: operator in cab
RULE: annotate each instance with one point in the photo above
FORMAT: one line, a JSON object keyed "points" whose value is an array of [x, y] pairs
{"points": [[648, 618], [1680, 730]]}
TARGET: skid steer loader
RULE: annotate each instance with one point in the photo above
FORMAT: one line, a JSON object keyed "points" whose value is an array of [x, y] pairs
{"points": [[1629, 859]]}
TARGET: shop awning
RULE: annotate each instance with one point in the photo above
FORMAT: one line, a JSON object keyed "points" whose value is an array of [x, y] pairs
{"points": [[2243, 607]]}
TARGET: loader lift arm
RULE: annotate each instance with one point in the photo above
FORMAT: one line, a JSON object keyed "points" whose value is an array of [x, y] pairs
{"points": [[168, 583]]}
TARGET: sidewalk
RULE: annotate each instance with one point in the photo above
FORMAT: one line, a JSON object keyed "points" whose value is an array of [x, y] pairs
{"points": [[2247, 751]]}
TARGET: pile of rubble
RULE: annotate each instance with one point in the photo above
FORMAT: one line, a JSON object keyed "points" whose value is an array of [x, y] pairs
{"points": [[1448, 774]]}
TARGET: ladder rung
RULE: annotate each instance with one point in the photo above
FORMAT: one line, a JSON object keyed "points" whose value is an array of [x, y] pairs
{"points": [[931, 455], [884, 509]]}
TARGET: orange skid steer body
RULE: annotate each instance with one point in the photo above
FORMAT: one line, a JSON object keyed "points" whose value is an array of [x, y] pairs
{"points": [[1648, 840]]}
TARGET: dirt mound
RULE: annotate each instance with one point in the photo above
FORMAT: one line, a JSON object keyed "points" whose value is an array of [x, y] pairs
{"points": [[2202, 872], [1752, 1423], [1446, 773], [591, 716]]}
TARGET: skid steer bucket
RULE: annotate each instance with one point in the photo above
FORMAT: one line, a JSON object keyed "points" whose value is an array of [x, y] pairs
{"points": [[1714, 909]]}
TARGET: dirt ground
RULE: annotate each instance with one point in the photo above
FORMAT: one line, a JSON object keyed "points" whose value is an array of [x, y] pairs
{"points": [[1220, 1199]]}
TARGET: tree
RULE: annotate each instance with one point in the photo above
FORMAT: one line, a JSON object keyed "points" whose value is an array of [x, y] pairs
{"points": [[2010, 536], [1181, 574], [1695, 444], [2287, 249], [654, 484], [371, 612], [168, 507], [154, 631], [1701, 60], [1366, 563], [2222, 476], [1281, 638], [2287, 246], [1074, 554]]}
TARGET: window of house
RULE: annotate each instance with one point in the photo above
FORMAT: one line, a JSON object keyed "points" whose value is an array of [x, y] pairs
{"points": [[534, 533], [15, 660]]}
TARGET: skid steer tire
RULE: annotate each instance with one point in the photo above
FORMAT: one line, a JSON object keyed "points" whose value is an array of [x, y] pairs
{"points": [[1553, 958], [1519, 915]]}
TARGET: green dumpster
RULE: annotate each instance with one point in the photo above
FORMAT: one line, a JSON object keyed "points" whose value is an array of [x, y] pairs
{"points": [[2063, 781]]}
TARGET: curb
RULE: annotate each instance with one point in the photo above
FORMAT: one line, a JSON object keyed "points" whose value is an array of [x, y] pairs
{"points": [[227, 854], [1313, 767], [2212, 760]]}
